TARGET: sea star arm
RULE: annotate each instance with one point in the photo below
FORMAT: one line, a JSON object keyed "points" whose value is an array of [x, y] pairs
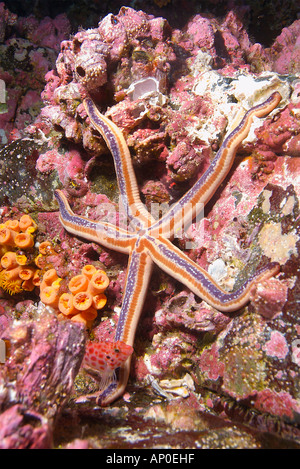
{"points": [[174, 262], [110, 236], [193, 201], [128, 187], [137, 281]]}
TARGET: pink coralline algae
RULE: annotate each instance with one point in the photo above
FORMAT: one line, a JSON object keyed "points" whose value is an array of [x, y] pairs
{"points": [[157, 129], [17, 433], [7, 19], [47, 32], [280, 404], [174, 93], [23, 64], [284, 52], [277, 345], [37, 378], [269, 297]]}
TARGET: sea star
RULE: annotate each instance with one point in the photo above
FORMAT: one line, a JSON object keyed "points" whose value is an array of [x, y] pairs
{"points": [[150, 241]]}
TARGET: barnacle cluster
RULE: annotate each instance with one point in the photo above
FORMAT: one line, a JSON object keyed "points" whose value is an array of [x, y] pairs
{"points": [[16, 247], [85, 295]]}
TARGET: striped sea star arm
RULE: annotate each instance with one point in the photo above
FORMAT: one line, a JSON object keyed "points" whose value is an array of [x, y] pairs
{"points": [[128, 187], [185, 210], [110, 236], [178, 265], [137, 281]]}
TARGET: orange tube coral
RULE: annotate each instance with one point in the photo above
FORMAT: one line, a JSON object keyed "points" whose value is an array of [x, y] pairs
{"points": [[8, 260], [48, 278], [12, 286], [99, 301], [39, 261], [78, 284], [26, 273], [65, 304], [82, 300], [36, 280], [12, 274], [49, 296], [98, 283], [88, 270], [3, 250], [13, 225], [21, 259], [28, 285], [90, 314], [86, 317], [45, 248], [24, 240], [7, 236], [78, 304], [79, 318], [25, 222]]}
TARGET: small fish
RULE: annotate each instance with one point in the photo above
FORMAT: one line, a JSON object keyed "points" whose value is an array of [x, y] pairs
{"points": [[105, 358]]}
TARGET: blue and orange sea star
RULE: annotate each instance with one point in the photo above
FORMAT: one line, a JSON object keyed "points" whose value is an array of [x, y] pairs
{"points": [[151, 240]]}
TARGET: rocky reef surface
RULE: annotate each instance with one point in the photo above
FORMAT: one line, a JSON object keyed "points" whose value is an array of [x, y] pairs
{"points": [[199, 378]]}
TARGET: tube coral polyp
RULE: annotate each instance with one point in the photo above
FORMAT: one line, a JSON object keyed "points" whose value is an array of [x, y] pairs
{"points": [[26, 222], [83, 300], [49, 277], [12, 286], [88, 270], [65, 304], [79, 303], [99, 301], [45, 248], [7, 236], [49, 296], [13, 225], [98, 283], [78, 284], [9, 260], [24, 240]]}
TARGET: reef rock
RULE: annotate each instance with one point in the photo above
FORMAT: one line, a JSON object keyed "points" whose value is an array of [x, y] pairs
{"points": [[24, 61], [36, 379], [174, 94]]}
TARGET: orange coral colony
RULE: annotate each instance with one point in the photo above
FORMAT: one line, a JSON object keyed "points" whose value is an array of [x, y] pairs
{"points": [[16, 236], [83, 300], [22, 268]]}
